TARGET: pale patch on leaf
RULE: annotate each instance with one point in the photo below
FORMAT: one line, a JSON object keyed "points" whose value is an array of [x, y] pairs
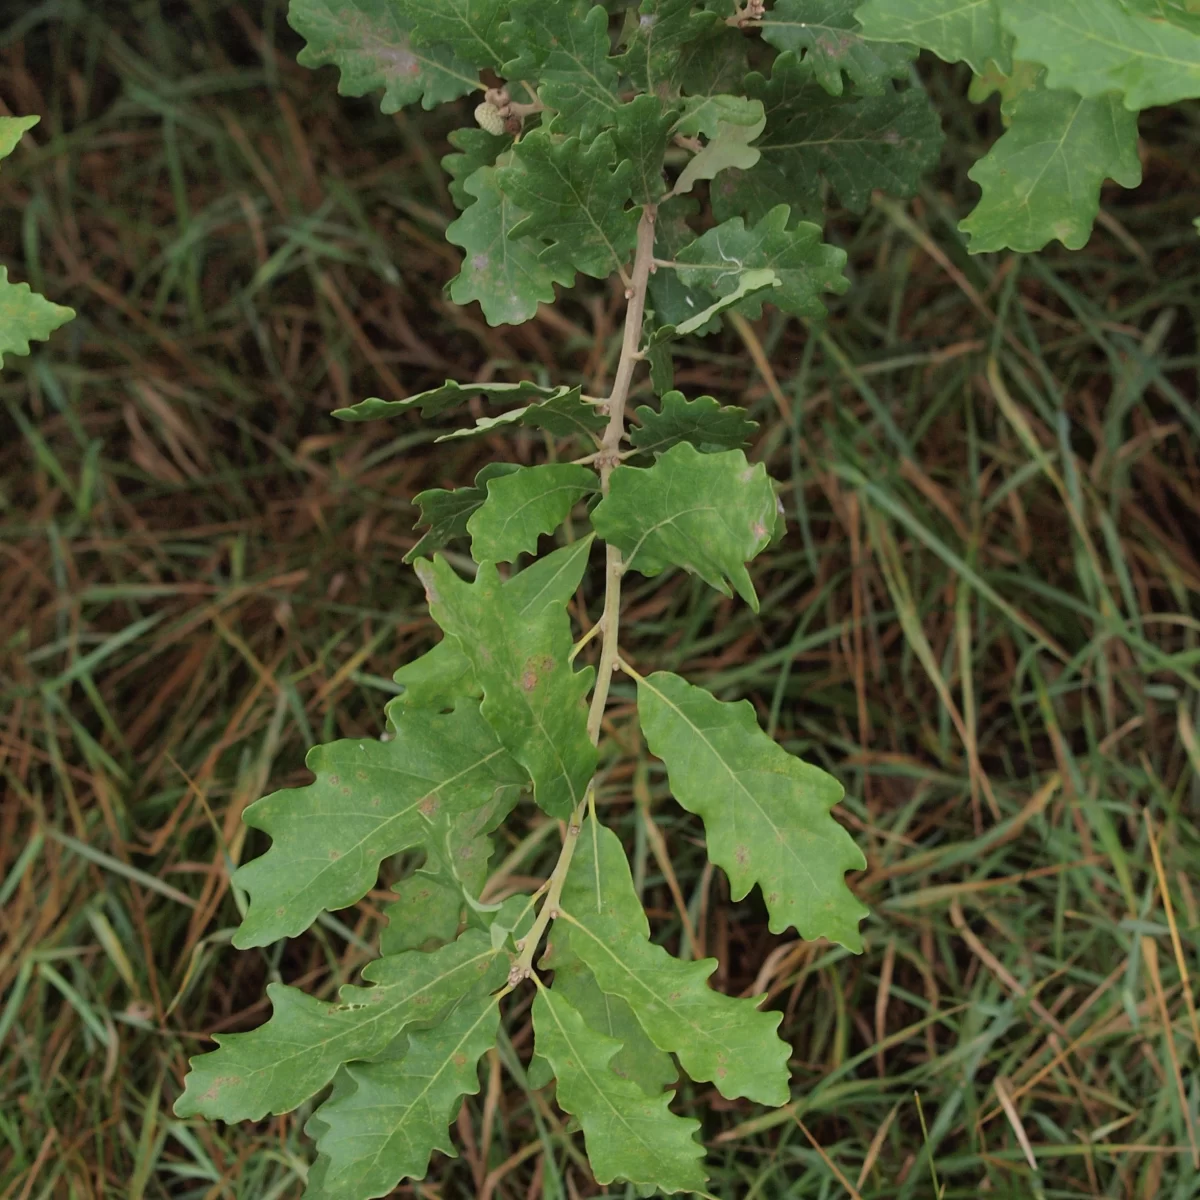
{"points": [[371, 44]]}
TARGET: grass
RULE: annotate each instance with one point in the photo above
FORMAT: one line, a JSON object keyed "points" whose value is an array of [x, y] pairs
{"points": [[984, 619]]}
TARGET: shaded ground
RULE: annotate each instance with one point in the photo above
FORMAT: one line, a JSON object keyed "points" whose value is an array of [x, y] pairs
{"points": [[984, 620]]}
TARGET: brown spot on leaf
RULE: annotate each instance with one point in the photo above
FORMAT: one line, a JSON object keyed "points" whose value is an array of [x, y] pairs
{"points": [[460, 1059], [334, 780], [429, 805], [334, 855], [742, 855]]}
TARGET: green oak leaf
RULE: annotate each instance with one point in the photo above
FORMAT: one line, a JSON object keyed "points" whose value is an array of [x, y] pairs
{"points": [[448, 511], [442, 675], [765, 812], [430, 903], [1042, 179], [1098, 46], [629, 1135], [472, 30], [858, 143], [279, 1065], [371, 44], [564, 46], [24, 315], [370, 800], [390, 1116], [524, 505], [729, 149], [702, 422], [805, 265], [508, 274], [575, 194], [707, 513], [475, 148], [642, 133], [831, 40], [639, 1059], [955, 30], [563, 415], [717, 1038], [438, 400], [531, 696]]}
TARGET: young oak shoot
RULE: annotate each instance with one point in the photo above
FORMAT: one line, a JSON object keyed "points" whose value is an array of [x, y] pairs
{"points": [[683, 151]]}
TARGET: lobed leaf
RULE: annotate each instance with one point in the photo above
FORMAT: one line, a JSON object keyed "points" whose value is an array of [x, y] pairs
{"points": [[388, 1118], [629, 1135], [955, 30], [728, 149], [279, 1065], [440, 676], [531, 697], [447, 511], [1042, 179], [371, 799], [575, 195], [826, 35], [639, 1059], [1096, 46], [707, 513], [858, 143], [765, 812], [717, 1038], [508, 274], [522, 506], [371, 44], [703, 422], [718, 261], [564, 46]]}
